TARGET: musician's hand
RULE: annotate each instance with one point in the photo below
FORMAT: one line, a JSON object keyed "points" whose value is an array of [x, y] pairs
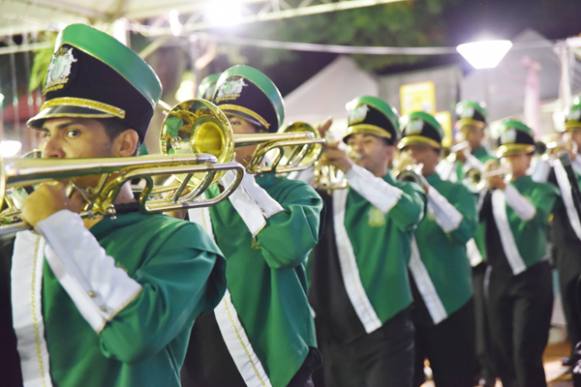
{"points": [[338, 157], [47, 199], [496, 182], [461, 156], [324, 127]]}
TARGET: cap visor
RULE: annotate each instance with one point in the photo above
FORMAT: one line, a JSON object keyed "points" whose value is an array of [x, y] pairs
{"points": [[65, 111]]}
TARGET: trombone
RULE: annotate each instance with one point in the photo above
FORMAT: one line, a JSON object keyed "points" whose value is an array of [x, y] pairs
{"points": [[199, 126], [199, 171]]}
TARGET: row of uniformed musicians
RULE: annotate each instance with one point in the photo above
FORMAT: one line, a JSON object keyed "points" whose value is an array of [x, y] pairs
{"points": [[112, 301]]}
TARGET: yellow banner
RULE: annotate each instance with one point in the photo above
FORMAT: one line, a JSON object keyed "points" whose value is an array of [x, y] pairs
{"points": [[419, 96]]}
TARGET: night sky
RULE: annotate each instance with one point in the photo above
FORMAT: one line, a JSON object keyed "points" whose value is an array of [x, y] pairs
{"points": [[555, 19]]}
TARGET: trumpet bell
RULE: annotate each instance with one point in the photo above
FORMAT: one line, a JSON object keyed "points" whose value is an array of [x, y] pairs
{"points": [[197, 126]]}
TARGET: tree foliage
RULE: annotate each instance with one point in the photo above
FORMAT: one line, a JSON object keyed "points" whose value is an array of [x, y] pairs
{"points": [[406, 23]]}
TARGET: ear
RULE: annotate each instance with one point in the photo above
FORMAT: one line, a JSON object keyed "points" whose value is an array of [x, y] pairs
{"points": [[126, 143]]}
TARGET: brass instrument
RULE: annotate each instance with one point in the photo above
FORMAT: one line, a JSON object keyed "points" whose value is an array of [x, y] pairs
{"points": [[406, 169], [199, 171], [199, 126], [492, 168]]}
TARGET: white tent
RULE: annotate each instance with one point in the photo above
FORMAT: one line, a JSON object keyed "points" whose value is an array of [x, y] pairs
{"points": [[326, 93]]}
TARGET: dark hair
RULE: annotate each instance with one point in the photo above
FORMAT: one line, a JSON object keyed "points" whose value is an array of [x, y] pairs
{"points": [[113, 127]]}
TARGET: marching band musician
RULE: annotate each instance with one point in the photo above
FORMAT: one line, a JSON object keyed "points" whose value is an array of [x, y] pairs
{"points": [[566, 224], [262, 332], [360, 288], [471, 121], [520, 295], [441, 282], [109, 301]]}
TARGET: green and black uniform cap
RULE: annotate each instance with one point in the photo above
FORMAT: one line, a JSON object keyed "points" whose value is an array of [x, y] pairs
{"points": [[207, 86], [372, 115], [92, 75], [247, 92], [421, 128], [514, 138], [470, 113]]}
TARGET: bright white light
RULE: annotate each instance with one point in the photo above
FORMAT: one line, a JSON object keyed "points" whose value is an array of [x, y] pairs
{"points": [[224, 13], [484, 54], [1, 99], [185, 91], [9, 148], [175, 25]]}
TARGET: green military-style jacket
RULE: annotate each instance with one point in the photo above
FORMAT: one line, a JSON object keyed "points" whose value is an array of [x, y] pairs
{"points": [[181, 272], [525, 241], [443, 277], [267, 286], [359, 269]]}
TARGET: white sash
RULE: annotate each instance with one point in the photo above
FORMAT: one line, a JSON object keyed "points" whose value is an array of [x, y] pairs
{"points": [[425, 286], [473, 253], [349, 270], [567, 195], [233, 333], [499, 211], [26, 288]]}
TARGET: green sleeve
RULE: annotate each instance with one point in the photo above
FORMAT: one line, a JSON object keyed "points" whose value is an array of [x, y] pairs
{"points": [[180, 281], [465, 203], [290, 235], [543, 197], [409, 209]]}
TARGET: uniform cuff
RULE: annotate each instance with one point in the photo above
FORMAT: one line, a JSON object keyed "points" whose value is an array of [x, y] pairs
{"points": [[378, 192], [98, 288], [446, 215], [520, 204]]}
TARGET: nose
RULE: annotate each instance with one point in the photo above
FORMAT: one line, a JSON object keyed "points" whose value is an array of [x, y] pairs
{"points": [[52, 148]]}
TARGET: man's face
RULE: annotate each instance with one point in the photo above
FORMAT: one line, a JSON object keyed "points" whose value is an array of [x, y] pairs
{"points": [[424, 154], [241, 126], [519, 163], [77, 138], [73, 138], [473, 134], [372, 151], [576, 138]]}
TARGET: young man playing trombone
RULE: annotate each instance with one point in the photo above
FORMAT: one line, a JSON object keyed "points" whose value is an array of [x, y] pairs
{"points": [[520, 294], [443, 312], [360, 289], [262, 332], [105, 301]]}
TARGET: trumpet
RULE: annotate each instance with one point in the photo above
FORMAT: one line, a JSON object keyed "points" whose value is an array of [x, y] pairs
{"points": [[476, 178], [199, 126], [113, 173], [406, 169]]}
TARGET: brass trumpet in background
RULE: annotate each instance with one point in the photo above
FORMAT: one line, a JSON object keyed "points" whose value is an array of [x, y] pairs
{"points": [[476, 179], [199, 126], [406, 169]]}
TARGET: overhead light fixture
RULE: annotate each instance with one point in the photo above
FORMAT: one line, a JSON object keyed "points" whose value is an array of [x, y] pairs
{"points": [[484, 54], [224, 13], [10, 148]]}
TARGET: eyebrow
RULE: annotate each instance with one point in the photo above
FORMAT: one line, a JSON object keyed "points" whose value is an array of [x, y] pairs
{"points": [[59, 126]]}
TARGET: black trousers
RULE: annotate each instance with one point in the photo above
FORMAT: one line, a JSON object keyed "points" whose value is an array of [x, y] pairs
{"points": [[383, 358], [482, 332], [568, 263], [209, 364], [519, 311], [449, 346]]}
